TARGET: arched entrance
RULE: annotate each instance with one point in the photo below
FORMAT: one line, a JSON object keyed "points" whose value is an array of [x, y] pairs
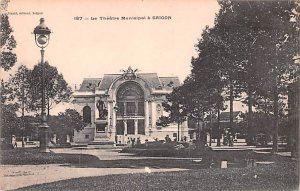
{"points": [[130, 101]]}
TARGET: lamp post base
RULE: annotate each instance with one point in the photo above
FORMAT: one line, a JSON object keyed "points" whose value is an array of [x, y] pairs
{"points": [[44, 138]]}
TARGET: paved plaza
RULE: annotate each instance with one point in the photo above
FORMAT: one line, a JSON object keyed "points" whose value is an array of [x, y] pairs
{"points": [[111, 161], [18, 176]]}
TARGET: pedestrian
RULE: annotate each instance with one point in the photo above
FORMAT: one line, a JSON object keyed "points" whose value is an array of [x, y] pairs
{"points": [[128, 141], [230, 140], [132, 141], [138, 141], [168, 139]]}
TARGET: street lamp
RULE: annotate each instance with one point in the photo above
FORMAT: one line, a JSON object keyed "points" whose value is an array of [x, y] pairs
{"points": [[42, 37]]}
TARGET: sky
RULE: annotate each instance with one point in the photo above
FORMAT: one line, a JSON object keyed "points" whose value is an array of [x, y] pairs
{"points": [[90, 48]]}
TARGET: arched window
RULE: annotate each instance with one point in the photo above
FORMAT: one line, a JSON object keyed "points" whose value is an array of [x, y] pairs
{"points": [[87, 117], [130, 100]]}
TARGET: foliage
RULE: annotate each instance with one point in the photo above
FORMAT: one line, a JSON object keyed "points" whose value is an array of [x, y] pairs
{"points": [[248, 52], [56, 88], [10, 123], [175, 105], [19, 85], [5, 92], [65, 123], [8, 43], [277, 176], [32, 156]]}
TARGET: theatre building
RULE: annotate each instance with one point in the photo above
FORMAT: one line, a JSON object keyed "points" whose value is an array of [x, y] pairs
{"points": [[126, 106]]}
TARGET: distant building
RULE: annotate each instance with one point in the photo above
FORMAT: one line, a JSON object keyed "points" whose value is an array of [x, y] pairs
{"points": [[294, 114], [225, 119], [123, 107], [212, 126]]}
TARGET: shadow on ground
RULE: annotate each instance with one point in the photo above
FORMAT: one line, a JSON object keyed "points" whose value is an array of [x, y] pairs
{"points": [[278, 176], [142, 163], [209, 159]]}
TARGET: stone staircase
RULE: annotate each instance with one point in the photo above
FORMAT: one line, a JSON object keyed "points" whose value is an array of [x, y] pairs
{"points": [[101, 143]]}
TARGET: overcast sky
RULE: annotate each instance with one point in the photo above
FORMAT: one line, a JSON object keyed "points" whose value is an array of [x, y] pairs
{"points": [[91, 48]]}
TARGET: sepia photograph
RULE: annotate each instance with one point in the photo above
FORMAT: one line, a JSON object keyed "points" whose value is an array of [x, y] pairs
{"points": [[144, 95]]}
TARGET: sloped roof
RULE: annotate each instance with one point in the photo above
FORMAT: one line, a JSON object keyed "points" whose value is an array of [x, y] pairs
{"points": [[226, 115], [108, 80], [151, 79], [169, 82], [89, 84]]}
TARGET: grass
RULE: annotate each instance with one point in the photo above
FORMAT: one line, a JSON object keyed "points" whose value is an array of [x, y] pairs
{"points": [[281, 175], [278, 176], [32, 156]]}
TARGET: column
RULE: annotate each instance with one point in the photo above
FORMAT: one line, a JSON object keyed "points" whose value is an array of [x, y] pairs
{"points": [[135, 127], [110, 125], [146, 115], [96, 112], [125, 127], [108, 112], [153, 112], [114, 120]]}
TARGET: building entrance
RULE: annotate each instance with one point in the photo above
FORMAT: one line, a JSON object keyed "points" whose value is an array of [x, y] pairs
{"points": [[130, 112]]}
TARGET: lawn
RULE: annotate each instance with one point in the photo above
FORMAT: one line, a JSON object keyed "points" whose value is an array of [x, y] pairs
{"points": [[32, 156], [278, 176]]}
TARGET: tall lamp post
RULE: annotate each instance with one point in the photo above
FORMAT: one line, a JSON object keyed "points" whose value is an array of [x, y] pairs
{"points": [[42, 37]]}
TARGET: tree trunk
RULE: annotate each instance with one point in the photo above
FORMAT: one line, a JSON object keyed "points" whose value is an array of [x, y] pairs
{"points": [[219, 130], [48, 108], [23, 126], [231, 107], [23, 112], [203, 128], [198, 126], [178, 132], [250, 118], [275, 132], [210, 126]]}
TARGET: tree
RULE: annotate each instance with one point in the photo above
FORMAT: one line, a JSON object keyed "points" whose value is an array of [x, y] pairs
{"points": [[8, 59], [209, 75], [65, 123], [8, 117], [8, 43], [273, 49], [9, 121], [260, 42], [19, 84], [195, 103], [175, 105], [56, 88]]}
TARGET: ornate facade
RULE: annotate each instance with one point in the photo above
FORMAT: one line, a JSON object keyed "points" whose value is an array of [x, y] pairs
{"points": [[122, 107]]}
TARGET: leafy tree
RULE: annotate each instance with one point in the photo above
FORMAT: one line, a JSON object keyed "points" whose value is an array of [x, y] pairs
{"points": [[31, 128], [175, 105], [258, 41], [10, 123], [209, 75], [65, 123], [195, 103], [56, 88], [273, 51], [5, 92], [8, 43], [19, 84], [8, 59], [8, 117]]}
